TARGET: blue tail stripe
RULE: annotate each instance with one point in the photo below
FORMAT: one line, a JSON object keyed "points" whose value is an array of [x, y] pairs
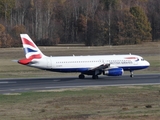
{"points": [[28, 50]]}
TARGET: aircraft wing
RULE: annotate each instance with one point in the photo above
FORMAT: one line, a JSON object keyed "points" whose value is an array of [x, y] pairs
{"points": [[97, 70], [101, 67]]}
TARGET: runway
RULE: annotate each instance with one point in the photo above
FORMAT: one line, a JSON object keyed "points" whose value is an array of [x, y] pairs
{"points": [[32, 84]]}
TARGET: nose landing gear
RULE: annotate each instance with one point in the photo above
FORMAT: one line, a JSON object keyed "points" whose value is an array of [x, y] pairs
{"points": [[131, 75]]}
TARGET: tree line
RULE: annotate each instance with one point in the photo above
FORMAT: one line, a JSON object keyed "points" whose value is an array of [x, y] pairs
{"points": [[92, 22]]}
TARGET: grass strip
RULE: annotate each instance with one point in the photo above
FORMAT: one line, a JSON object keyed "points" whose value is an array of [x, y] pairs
{"points": [[124, 102]]}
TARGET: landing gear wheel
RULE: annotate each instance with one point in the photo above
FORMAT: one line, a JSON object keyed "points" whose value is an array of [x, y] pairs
{"points": [[95, 77], [131, 74], [81, 76]]}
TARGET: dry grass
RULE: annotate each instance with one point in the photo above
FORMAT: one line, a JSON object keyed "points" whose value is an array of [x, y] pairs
{"points": [[107, 103], [111, 103], [9, 69]]}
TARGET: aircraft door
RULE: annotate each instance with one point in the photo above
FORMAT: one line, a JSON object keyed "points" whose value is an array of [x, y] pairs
{"points": [[102, 61], [49, 62], [136, 62]]}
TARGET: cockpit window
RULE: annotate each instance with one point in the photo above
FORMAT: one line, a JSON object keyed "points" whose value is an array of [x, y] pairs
{"points": [[142, 59]]}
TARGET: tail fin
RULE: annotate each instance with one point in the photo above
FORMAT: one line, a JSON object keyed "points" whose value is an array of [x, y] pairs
{"points": [[31, 50]]}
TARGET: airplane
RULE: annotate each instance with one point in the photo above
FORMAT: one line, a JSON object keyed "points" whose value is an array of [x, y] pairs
{"points": [[108, 65]]}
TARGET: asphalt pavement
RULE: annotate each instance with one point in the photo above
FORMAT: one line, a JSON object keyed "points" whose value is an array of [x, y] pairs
{"points": [[15, 85]]}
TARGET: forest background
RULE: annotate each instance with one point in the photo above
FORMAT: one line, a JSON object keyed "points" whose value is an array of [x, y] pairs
{"points": [[89, 22]]}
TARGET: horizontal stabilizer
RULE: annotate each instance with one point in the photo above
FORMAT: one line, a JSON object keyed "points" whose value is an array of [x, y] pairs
{"points": [[14, 60], [24, 61]]}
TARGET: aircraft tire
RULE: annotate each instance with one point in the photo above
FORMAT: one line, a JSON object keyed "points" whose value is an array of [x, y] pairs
{"points": [[95, 77], [131, 75], [81, 76]]}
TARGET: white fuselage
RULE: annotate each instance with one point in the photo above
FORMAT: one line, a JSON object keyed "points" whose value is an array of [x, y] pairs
{"points": [[83, 63]]}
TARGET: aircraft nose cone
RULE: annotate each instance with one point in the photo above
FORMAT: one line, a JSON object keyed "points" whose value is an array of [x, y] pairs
{"points": [[147, 63]]}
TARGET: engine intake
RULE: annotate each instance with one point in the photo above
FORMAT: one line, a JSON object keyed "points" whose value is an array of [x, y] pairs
{"points": [[113, 72]]}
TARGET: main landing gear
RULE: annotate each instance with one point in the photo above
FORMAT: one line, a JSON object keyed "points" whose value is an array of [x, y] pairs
{"points": [[81, 76], [95, 77], [131, 75]]}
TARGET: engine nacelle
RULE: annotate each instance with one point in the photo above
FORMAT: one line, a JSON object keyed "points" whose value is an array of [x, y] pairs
{"points": [[113, 72]]}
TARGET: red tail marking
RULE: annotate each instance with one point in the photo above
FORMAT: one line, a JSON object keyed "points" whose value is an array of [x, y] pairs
{"points": [[27, 61], [25, 41], [37, 56], [130, 58]]}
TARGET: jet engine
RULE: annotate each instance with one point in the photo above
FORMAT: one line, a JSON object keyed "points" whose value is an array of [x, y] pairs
{"points": [[113, 72]]}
